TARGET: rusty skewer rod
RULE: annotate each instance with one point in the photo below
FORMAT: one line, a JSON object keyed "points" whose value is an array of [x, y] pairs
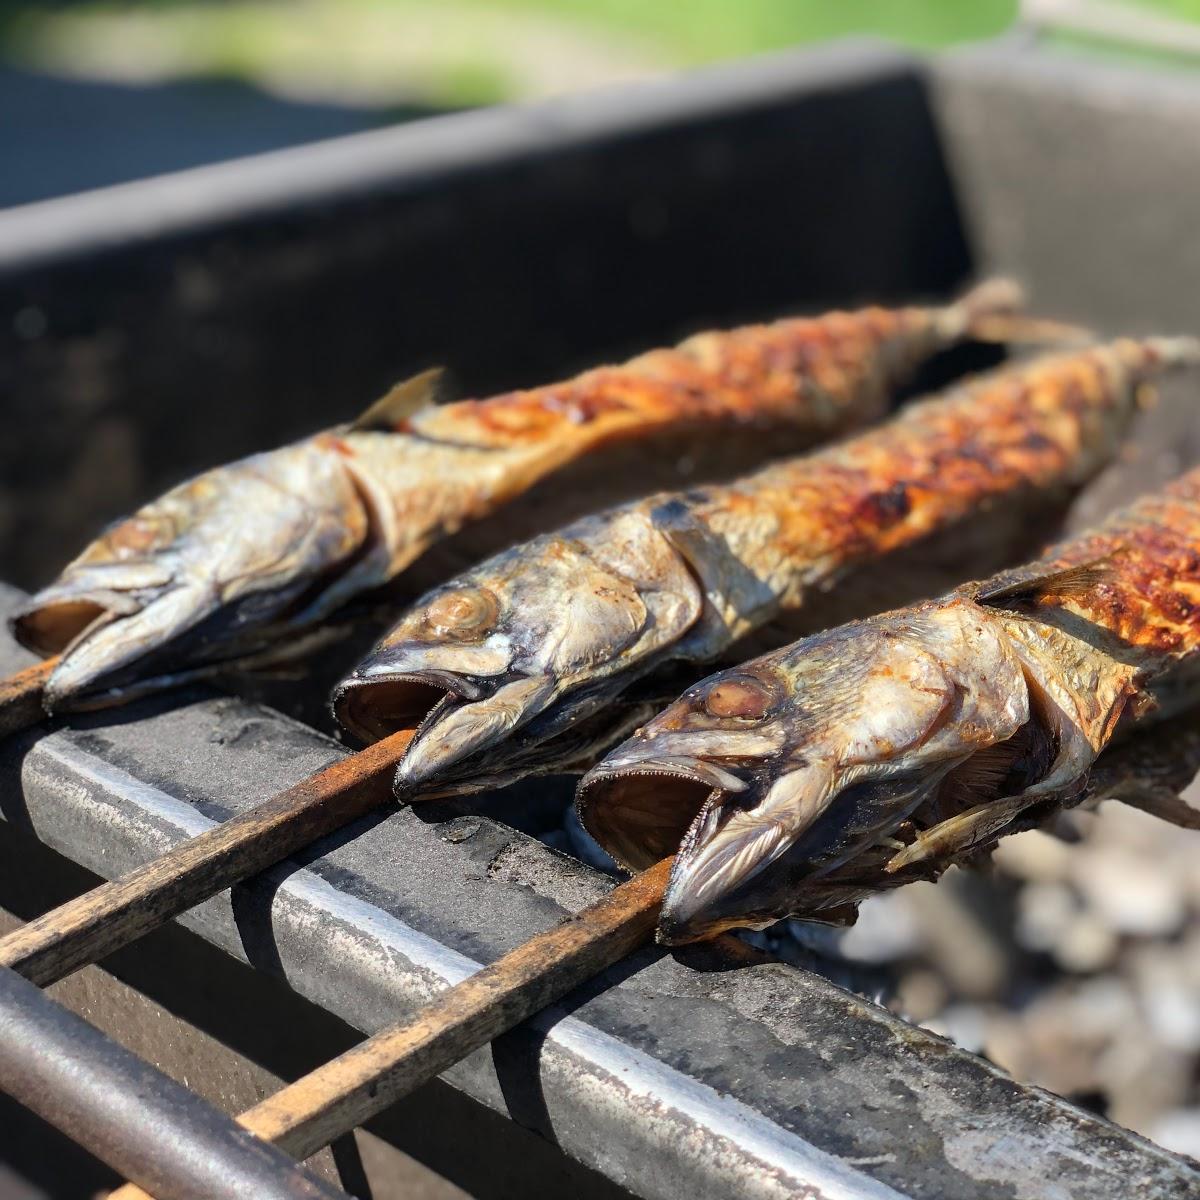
{"points": [[132, 1116], [355, 1086], [21, 696], [110, 916]]}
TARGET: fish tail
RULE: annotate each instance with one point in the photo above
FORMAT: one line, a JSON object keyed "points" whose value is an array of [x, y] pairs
{"points": [[991, 298], [991, 312], [1181, 351], [1147, 358]]}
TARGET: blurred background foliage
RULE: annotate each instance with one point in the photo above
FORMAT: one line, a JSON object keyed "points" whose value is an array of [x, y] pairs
{"points": [[94, 92], [452, 53]]}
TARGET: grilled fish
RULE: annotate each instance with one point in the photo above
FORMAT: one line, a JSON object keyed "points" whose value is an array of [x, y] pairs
{"points": [[545, 655], [232, 565], [887, 749]]}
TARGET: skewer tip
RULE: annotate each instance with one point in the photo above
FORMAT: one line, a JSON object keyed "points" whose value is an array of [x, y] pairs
{"points": [[22, 696]]}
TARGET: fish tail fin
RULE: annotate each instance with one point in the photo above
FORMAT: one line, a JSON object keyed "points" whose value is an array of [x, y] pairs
{"points": [[1029, 331], [991, 298], [991, 312], [1182, 351]]}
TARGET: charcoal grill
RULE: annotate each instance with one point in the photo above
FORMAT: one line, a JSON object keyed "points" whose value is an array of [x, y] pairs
{"points": [[154, 329]]}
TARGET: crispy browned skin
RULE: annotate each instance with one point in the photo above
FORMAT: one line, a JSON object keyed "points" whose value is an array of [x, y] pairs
{"points": [[228, 567], [523, 654], [826, 371], [887, 749], [1147, 594], [1040, 428]]}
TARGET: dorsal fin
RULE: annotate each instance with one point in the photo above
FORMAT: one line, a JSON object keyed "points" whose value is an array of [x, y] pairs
{"points": [[1028, 589], [407, 397]]}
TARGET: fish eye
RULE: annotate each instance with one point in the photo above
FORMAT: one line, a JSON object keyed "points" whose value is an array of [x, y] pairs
{"points": [[464, 612], [738, 697]]}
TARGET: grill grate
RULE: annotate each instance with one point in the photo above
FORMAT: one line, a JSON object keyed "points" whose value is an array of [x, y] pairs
{"points": [[316, 1110]]}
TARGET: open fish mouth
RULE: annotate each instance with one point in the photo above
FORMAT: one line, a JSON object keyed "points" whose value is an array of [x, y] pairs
{"points": [[49, 627], [641, 813], [115, 647], [123, 629], [372, 709], [106, 638], [456, 717]]}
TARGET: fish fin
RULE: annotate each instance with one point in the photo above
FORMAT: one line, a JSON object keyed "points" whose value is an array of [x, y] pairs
{"points": [[992, 297], [1029, 589], [1002, 328], [407, 397], [841, 916], [731, 590], [977, 778], [673, 519], [1162, 802], [961, 833], [991, 312]]}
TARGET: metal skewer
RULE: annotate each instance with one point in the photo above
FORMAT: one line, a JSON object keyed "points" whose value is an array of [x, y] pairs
{"points": [[21, 696], [114, 914], [355, 1086]]}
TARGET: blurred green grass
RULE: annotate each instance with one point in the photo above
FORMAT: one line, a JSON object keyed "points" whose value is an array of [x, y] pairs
{"points": [[1185, 10], [704, 30], [452, 53]]}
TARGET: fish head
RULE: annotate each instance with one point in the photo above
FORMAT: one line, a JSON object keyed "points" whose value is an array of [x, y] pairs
{"points": [[189, 579], [764, 779], [515, 639]]}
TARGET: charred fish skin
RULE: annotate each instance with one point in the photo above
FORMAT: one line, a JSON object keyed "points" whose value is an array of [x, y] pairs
{"points": [[516, 654], [246, 555], [906, 742]]}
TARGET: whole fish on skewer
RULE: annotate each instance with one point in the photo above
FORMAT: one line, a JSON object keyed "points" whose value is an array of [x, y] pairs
{"points": [[233, 566], [537, 659], [887, 749]]}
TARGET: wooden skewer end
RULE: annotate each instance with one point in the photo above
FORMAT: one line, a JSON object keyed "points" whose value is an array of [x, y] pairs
{"points": [[21, 696]]}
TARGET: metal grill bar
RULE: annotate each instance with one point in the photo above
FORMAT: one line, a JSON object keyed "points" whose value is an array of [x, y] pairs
{"points": [[114, 914], [131, 1115], [356, 1086]]}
